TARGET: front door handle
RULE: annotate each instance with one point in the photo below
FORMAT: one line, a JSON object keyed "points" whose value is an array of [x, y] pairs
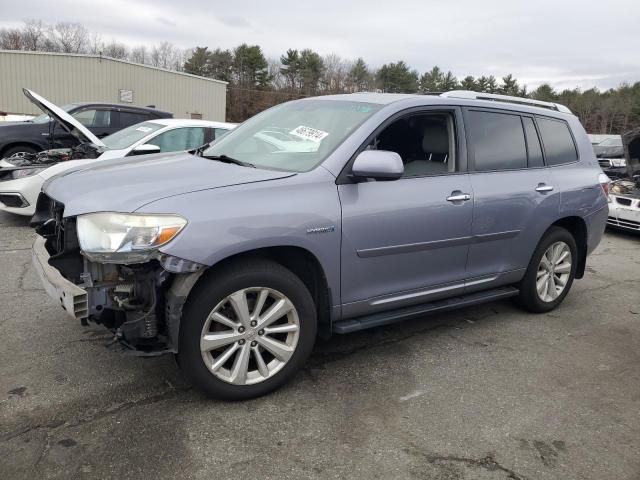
{"points": [[458, 197], [544, 188]]}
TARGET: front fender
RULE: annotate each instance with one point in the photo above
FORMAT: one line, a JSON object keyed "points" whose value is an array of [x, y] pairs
{"points": [[301, 211]]}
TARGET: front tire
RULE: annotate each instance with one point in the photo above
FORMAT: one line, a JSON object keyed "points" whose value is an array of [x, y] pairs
{"points": [[551, 271], [246, 330]]}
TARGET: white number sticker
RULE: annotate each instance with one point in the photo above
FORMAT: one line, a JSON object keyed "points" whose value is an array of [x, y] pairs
{"points": [[308, 133], [144, 129]]}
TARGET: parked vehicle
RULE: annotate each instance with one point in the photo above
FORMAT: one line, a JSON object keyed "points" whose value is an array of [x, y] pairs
{"points": [[43, 132], [624, 195], [237, 256], [610, 148], [22, 176], [611, 157]]}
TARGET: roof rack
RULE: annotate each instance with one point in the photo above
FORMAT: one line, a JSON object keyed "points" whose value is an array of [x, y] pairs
{"points": [[468, 94]]}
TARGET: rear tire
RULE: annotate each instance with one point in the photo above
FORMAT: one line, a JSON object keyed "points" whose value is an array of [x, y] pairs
{"points": [[229, 347], [550, 273], [18, 149]]}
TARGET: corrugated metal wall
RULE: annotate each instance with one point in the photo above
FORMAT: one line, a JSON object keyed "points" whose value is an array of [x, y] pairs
{"points": [[63, 79]]}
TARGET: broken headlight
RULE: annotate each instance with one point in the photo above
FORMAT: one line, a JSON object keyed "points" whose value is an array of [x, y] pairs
{"points": [[125, 238]]}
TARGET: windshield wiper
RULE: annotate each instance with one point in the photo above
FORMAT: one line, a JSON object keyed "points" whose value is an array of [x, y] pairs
{"points": [[200, 150], [227, 159]]}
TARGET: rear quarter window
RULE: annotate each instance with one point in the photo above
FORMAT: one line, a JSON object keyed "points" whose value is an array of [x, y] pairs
{"points": [[557, 141]]}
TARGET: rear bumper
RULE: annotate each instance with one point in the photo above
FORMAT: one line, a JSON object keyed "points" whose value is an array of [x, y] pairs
{"points": [[71, 297]]}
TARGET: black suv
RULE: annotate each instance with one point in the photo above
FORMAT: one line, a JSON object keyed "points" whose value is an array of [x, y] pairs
{"points": [[41, 133]]}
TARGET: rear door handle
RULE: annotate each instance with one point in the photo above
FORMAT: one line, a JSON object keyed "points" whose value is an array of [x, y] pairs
{"points": [[544, 188], [458, 197]]}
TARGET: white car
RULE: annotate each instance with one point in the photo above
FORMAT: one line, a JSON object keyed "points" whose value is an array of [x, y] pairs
{"points": [[624, 204], [20, 184]]}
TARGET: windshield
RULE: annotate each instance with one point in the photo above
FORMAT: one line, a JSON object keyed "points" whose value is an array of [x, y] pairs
{"points": [[130, 135], [294, 136], [611, 142], [44, 118]]}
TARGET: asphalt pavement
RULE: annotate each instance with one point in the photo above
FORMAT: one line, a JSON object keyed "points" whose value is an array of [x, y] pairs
{"points": [[488, 392]]}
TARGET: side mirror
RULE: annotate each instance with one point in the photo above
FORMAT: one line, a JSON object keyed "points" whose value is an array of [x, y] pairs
{"points": [[378, 164], [145, 149]]}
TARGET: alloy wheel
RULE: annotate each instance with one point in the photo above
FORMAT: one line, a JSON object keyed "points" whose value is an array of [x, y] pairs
{"points": [[553, 271], [250, 336]]}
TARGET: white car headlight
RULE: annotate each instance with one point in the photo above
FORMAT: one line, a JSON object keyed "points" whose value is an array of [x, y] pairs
{"points": [[26, 172], [128, 238], [618, 162]]}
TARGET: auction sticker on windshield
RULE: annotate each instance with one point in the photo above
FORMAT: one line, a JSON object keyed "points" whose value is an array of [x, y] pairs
{"points": [[308, 133], [144, 129]]}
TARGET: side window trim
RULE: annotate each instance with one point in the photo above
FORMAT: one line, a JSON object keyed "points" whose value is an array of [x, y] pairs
{"points": [[459, 132], [526, 140], [469, 136]]}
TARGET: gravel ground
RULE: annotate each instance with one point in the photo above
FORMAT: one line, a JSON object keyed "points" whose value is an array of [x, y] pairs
{"points": [[488, 392]]}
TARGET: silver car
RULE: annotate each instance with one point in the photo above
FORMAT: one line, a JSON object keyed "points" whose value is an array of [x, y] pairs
{"points": [[369, 209]]}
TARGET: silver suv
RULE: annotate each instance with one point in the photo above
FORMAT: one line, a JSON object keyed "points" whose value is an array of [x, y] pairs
{"points": [[323, 216]]}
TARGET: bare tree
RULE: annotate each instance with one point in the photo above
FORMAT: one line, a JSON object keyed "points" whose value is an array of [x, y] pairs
{"points": [[115, 50], [336, 71], [139, 55], [95, 43], [274, 67], [34, 35], [11, 39], [69, 37], [164, 55]]}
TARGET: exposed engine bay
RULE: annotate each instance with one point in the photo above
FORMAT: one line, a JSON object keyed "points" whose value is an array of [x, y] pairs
{"points": [[56, 155], [38, 161], [628, 187]]}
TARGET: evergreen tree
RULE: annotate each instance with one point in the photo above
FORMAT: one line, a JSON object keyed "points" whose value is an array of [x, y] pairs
{"points": [[359, 75], [221, 64], [468, 83], [198, 63], [397, 78], [291, 68], [431, 81], [311, 69]]}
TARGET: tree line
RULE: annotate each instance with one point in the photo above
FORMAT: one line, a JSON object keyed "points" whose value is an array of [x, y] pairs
{"points": [[71, 37], [257, 82]]}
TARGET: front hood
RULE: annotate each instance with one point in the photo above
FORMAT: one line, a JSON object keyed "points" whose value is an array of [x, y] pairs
{"points": [[65, 120], [126, 184], [631, 142], [612, 151]]}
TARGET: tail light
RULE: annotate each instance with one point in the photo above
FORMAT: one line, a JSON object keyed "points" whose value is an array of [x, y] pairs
{"points": [[605, 182]]}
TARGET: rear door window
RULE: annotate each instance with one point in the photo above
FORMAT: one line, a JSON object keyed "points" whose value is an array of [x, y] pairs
{"points": [[180, 139], [131, 118], [558, 143], [533, 143], [497, 141]]}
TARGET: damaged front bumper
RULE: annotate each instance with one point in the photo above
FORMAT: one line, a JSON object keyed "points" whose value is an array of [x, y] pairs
{"points": [[140, 303], [71, 297]]}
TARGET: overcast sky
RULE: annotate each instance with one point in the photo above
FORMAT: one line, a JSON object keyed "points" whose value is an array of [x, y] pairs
{"points": [[565, 42]]}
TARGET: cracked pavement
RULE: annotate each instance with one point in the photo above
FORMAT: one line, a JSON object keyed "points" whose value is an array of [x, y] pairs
{"points": [[488, 392]]}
